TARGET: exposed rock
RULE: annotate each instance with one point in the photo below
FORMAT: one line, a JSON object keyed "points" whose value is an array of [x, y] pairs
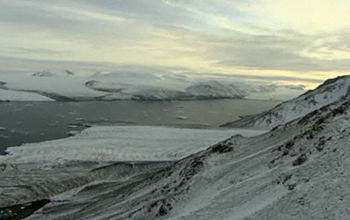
{"points": [[300, 160]]}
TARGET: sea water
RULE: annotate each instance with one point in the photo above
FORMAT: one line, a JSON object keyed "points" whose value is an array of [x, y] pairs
{"points": [[27, 122]]}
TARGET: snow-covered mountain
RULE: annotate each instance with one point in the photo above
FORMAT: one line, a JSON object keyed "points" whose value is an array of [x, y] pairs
{"points": [[330, 91], [65, 86], [200, 90], [214, 89], [56, 87], [299, 170]]}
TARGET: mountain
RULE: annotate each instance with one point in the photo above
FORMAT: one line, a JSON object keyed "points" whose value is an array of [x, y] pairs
{"points": [[201, 90], [65, 86], [215, 89], [330, 91], [300, 170]]}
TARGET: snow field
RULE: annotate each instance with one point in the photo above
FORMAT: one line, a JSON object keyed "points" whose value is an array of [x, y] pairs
{"points": [[123, 143]]}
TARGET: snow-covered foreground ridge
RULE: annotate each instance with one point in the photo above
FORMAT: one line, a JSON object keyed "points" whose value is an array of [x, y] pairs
{"points": [[330, 91], [135, 86], [300, 170]]}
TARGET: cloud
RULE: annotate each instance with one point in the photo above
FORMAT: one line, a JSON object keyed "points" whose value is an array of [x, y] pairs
{"points": [[245, 37], [286, 52], [39, 51], [306, 80], [29, 66], [306, 16]]}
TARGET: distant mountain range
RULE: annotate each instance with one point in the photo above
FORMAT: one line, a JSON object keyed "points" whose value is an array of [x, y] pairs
{"points": [[65, 86]]}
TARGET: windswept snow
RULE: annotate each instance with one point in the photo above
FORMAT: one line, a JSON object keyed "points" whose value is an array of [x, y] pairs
{"points": [[122, 143]]}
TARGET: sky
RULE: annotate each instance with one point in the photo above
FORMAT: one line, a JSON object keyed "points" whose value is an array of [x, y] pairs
{"points": [[284, 41]]}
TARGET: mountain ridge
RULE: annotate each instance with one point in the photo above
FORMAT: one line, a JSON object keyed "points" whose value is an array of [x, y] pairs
{"points": [[65, 86], [332, 90]]}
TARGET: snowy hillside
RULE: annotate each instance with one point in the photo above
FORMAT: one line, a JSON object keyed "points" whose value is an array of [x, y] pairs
{"points": [[65, 86], [298, 171], [330, 91]]}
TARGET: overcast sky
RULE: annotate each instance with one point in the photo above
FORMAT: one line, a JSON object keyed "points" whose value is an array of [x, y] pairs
{"points": [[304, 41]]}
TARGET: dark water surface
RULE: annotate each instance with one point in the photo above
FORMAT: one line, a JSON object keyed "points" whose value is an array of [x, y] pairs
{"points": [[26, 122]]}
